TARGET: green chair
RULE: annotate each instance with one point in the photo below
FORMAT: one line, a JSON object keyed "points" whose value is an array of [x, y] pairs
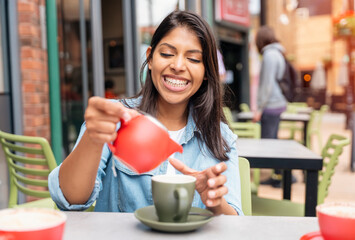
{"points": [[292, 127], [244, 107], [23, 154], [244, 173], [314, 127], [246, 130], [249, 130], [330, 153], [228, 114]]}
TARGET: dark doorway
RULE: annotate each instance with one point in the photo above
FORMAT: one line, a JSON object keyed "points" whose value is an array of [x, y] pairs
{"points": [[232, 56]]}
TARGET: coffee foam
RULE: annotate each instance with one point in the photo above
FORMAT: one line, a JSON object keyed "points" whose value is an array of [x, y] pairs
{"points": [[174, 179], [343, 210], [29, 219]]}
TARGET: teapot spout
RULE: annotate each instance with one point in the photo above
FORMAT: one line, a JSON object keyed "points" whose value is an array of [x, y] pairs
{"points": [[174, 147]]}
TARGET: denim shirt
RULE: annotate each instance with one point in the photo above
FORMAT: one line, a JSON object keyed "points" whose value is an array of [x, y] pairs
{"points": [[130, 191]]}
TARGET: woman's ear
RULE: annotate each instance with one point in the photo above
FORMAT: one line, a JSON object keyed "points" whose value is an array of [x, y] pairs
{"points": [[147, 53]]}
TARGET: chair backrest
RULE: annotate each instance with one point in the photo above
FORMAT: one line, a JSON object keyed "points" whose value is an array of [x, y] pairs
{"points": [[244, 173], [247, 129], [244, 107], [330, 153], [228, 114], [293, 107], [30, 160], [323, 109], [314, 126]]}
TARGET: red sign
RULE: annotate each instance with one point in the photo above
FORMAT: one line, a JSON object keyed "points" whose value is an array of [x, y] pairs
{"points": [[235, 11]]}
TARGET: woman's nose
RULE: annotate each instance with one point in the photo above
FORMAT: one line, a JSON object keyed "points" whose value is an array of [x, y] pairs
{"points": [[178, 64]]}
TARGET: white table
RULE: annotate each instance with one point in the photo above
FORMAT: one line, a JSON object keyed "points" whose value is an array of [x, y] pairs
{"points": [[107, 226]]}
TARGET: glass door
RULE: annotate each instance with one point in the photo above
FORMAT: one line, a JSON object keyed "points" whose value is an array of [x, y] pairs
{"points": [[74, 37], [91, 52]]}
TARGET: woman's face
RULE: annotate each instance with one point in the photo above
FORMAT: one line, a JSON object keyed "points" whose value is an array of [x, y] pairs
{"points": [[177, 67]]}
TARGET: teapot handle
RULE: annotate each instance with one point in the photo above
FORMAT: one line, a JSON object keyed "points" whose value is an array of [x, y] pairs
{"points": [[112, 147]]}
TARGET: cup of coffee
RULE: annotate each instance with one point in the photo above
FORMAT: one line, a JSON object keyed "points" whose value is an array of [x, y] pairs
{"points": [[337, 220], [32, 224], [172, 196]]}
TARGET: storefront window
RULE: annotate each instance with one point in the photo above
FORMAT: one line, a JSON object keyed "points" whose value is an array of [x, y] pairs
{"points": [[149, 15], [75, 80]]}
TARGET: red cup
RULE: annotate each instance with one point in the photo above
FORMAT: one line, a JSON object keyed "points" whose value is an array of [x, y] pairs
{"points": [[337, 220], [31, 224]]}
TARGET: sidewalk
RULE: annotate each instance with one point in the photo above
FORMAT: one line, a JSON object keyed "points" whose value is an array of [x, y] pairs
{"points": [[342, 187]]}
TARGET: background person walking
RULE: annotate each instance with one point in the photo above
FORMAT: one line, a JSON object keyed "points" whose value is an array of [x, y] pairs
{"points": [[270, 100]]}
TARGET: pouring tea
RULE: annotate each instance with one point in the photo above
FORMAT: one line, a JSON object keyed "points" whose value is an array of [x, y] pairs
{"points": [[143, 143]]}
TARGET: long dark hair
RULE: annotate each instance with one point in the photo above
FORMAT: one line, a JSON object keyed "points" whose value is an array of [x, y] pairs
{"points": [[207, 101]]}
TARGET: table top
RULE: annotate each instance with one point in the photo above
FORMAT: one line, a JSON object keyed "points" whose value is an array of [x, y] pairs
{"points": [[285, 116], [97, 226], [307, 110], [289, 154]]}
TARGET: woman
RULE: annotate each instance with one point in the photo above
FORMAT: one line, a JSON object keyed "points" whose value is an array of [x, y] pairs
{"points": [[271, 102], [182, 91]]}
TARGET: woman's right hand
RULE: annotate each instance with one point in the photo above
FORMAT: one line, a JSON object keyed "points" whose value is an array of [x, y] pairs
{"points": [[102, 116]]}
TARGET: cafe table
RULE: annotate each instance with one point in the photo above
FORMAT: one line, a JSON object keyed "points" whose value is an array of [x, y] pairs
{"points": [[286, 155], [107, 226], [285, 116]]}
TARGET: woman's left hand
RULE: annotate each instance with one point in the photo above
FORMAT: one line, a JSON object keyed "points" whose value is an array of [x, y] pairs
{"points": [[209, 182]]}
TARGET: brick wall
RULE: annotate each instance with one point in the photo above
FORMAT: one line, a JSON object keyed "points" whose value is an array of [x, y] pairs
{"points": [[34, 74], [33, 70]]}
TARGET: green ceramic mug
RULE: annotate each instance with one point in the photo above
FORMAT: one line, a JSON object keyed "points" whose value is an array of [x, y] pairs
{"points": [[172, 196]]}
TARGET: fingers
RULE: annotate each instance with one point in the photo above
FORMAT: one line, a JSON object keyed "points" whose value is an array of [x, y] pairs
{"points": [[102, 116], [109, 107], [217, 181], [216, 170], [216, 189], [215, 196], [219, 168], [180, 166]]}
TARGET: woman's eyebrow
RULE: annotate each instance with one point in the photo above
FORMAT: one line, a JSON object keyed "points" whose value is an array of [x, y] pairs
{"points": [[174, 48]]}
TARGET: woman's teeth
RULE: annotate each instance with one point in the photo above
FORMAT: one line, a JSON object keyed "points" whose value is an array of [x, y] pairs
{"points": [[175, 82]]}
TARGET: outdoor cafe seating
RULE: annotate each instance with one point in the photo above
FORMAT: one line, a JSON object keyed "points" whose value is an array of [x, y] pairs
{"points": [[25, 156], [22, 151], [330, 153]]}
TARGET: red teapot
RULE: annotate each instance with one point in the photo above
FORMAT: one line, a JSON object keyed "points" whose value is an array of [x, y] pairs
{"points": [[143, 143]]}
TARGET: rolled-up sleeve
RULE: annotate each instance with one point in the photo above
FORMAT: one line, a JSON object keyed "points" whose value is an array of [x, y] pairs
{"points": [[58, 196], [56, 192]]}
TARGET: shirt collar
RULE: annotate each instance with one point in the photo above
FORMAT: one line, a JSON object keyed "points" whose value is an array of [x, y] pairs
{"points": [[191, 127]]}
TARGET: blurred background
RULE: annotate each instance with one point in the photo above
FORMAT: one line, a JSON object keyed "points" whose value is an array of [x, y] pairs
{"points": [[55, 54]]}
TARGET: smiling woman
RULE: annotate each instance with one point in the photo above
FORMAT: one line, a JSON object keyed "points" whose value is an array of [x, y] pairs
{"points": [[182, 91], [176, 68]]}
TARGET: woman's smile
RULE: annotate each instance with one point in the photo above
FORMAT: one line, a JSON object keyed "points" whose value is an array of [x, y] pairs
{"points": [[175, 83]]}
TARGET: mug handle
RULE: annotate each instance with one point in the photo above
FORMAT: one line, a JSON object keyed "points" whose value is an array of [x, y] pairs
{"points": [[182, 195]]}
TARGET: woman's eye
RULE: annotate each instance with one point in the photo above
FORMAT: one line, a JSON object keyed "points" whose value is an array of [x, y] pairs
{"points": [[194, 60], [166, 54]]}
